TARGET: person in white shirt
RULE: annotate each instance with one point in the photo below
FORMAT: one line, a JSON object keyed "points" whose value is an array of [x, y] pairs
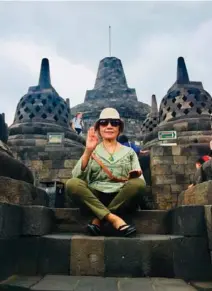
{"points": [[77, 123]]}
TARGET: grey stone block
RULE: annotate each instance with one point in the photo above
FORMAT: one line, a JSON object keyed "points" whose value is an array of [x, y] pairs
{"points": [[135, 284], [192, 258], [188, 221], [7, 258], [10, 220], [54, 255], [142, 256], [57, 164], [87, 256], [56, 283], [202, 286], [37, 220], [16, 282], [97, 284], [150, 222], [20, 192], [162, 284], [26, 252], [208, 220]]}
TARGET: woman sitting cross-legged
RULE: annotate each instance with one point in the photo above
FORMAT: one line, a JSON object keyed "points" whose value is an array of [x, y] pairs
{"points": [[106, 178]]}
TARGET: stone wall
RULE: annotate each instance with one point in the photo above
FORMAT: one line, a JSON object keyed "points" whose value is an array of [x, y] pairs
{"points": [[49, 162], [172, 170]]}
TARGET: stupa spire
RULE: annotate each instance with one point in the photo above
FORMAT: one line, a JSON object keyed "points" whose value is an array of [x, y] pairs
{"points": [[45, 79], [154, 106], [182, 74]]}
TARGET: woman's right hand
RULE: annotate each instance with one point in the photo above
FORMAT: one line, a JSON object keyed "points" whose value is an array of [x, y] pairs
{"points": [[92, 140]]}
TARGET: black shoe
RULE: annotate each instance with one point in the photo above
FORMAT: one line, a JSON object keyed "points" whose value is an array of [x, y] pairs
{"points": [[128, 231], [94, 229]]}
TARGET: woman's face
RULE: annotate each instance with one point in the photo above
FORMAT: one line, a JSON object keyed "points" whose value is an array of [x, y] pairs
{"points": [[108, 131]]}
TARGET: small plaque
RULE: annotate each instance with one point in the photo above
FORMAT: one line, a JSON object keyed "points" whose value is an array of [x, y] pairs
{"points": [[55, 138]]}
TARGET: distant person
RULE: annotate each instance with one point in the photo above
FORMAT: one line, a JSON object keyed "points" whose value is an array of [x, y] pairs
{"points": [[77, 123], [123, 139], [199, 175]]}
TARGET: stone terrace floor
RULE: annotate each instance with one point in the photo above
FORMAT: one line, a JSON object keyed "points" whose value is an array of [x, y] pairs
{"points": [[87, 283]]}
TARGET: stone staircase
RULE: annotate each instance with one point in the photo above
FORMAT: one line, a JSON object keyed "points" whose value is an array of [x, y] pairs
{"points": [[49, 249]]}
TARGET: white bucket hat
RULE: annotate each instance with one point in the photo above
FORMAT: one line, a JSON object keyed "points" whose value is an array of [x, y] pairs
{"points": [[110, 113]]}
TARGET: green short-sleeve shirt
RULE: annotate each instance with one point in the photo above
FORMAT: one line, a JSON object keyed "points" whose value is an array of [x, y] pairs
{"points": [[124, 161]]}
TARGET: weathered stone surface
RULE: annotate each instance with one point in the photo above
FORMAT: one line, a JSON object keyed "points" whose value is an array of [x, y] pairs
{"points": [[208, 221], [20, 192], [3, 128], [190, 168], [65, 173], [26, 252], [180, 160], [192, 258], [69, 220], [161, 160], [164, 179], [37, 165], [16, 281], [37, 220], [68, 283], [57, 164], [178, 188], [200, 194], [10, 167], [10, 220], [176, 150], [160, 284], [177, 169], [57, 283], [157, 151], [160, 170], [54, 255], [151, 222], [188, 221], [70, 163], [18, 256], [87, 256], [142, 260], [202, 286]]}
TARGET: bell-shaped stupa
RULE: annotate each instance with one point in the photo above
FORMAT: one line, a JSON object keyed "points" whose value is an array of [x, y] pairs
{"points": [[111, 90], [186, 109], [40, 134]]}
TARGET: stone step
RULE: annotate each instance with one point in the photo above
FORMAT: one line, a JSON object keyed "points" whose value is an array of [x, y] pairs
{"points": [[166, 256], [90, 283], [146, 221], [141, 256]]}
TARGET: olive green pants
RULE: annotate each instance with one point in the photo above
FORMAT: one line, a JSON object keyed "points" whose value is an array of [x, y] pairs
{"points": [[101, 204]]}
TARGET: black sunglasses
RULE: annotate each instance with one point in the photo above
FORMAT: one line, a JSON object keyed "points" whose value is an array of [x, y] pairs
{"points": [[113, 122]]}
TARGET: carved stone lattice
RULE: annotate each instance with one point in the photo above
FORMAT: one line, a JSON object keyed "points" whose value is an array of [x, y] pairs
{"points": [[149, 124], [186, 102], [45, 107], [152, 118]]}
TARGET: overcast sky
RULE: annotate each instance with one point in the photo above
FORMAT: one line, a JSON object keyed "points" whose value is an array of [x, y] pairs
{"points": [[147, 36]]}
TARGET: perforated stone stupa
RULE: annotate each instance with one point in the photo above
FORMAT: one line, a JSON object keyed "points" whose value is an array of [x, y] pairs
{"points": [[152, 119], [186, 108], [39, 113], [111, 90]]}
